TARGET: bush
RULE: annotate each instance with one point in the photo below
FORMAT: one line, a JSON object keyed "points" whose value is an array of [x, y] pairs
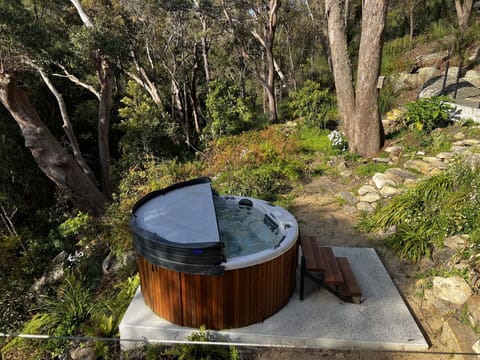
{"points": [[202, 352], [145, 128], [315, 106], [425, 115], [438, 207], [229, 112]]}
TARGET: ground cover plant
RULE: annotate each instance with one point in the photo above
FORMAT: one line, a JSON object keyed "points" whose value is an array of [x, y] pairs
{"points": [[424, 215]]}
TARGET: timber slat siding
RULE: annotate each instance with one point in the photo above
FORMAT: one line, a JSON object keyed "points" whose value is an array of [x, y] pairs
{"points": [[237, 298]]}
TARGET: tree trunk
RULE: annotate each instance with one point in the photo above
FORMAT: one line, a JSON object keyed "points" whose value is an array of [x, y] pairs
{"points": [[359, 106], [50, 156], [411, 12], [342, 70], [464, 9], [105, 77], [369, 135], [270, 83]]}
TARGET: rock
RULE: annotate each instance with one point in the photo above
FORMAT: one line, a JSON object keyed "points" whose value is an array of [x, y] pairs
{"points": [[382, 160], [433, 86], [425, 73], [394, 149], [419, 165], [444, 156], [458, 149], [459, 136], [57, 273], [380, 180], [473, 304], [453, 72], [456, 242], [472, 160], [348, 197], [400, 175], [432, 59], [342, 166], [454, 289], [438, 306], [366, 189], [346, 173], [471, 142], [430, 159], [458, 337], [365, 207], [476, 347], [473, 76], [83, 352], [389, 191], [349, 209], [370, 197]]}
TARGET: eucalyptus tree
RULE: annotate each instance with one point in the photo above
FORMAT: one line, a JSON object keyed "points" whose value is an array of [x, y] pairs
{"points": [[358, 102], [171, 57], [255, 22], [59, 38], [463, 9]]}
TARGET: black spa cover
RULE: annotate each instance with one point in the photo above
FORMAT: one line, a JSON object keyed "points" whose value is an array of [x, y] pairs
{"points": [[176, 228]]}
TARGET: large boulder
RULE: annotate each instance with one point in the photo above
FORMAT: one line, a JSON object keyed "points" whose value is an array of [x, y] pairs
{"points": [[454, 289]]}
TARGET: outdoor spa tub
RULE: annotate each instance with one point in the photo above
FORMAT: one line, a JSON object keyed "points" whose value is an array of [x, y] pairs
{"points": [[219, 261]]}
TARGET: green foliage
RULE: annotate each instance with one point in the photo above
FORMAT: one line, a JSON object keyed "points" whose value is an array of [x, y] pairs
{"points": [[441, 206], [75, 227], [258, 164], [371, 168], [392, 59], [427, 114], [229, 112], [387, 99], [69, 308], [146, 129], [200, 351], [315, 106], [28, 348], [315, 140]]}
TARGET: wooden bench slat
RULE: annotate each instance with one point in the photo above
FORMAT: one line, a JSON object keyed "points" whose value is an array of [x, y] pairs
{"points": [[333, 275], [350, 287]]}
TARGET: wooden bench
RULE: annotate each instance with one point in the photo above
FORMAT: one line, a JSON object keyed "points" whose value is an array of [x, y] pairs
{"points": [[332, 273]]}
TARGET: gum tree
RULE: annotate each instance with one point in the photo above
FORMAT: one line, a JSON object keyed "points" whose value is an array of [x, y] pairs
{"points": [[358, 101]]}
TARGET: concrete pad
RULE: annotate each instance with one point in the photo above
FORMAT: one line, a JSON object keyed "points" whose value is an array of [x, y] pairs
{"points": [[381, 322]]}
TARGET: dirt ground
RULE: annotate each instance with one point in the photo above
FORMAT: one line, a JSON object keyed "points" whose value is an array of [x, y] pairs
{"points": [[319, 213]]}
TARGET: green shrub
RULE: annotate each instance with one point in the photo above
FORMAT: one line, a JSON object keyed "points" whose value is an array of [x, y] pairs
{"points": [[229, 112], [145, 128], [427, 114], [71, 306], [441, 206], [315, 106], [202, 352]]}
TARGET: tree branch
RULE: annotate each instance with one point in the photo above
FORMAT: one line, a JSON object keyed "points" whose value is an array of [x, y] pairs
{"points": [[77, 81], [85, 19], [67, 124]]}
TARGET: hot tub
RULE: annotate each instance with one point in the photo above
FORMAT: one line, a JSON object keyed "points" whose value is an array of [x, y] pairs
{"points": [[219, 261]]}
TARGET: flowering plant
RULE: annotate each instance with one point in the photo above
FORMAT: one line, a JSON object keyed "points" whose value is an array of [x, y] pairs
{"points": [[338, 140]]}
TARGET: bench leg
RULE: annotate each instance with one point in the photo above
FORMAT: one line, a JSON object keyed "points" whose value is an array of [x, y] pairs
{"points": [[302, 276]]}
